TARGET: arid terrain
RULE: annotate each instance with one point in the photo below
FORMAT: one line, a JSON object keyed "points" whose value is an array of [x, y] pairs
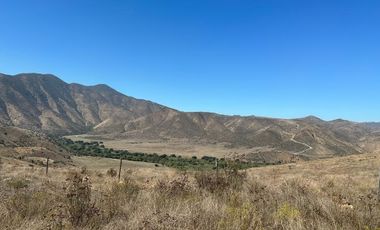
{"points": [[189, 115], [85, 193], [47, 104], [337, 193], [176, 146], [189, 170]]}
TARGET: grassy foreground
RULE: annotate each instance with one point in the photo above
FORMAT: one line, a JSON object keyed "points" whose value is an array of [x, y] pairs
{"points": [[337, 193]]}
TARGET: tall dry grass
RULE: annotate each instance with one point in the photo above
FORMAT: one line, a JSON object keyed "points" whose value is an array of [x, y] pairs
{"points": [[270, 198]]}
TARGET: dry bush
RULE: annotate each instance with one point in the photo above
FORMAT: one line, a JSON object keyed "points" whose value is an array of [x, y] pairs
{"points": [[228, 179], [26, 204], [230, 200], [239, 213], [84, 170], [179, 186], [17, 183], [303, 206], [115, 201], [111, 172], [78, 199]]}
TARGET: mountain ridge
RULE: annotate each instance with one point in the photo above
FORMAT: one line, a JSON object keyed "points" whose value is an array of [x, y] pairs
{"points": [[45, 102]]}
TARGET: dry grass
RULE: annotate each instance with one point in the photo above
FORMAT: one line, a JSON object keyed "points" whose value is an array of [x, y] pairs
{"points": [[326, 194], [183, 147]]}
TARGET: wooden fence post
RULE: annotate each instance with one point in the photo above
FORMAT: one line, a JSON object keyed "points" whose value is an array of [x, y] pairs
{"points": [[217, 167], [47, 165], [121, 163]]}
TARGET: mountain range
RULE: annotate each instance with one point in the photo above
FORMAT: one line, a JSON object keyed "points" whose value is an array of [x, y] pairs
{"points": [[43, 102]]}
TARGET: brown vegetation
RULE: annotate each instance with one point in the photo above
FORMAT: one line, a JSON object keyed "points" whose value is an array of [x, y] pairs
{"points": [[327, 194]]}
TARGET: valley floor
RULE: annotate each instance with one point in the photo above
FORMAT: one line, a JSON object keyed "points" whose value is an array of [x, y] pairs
{"points": [[173, 146], [336, 193], [188, 148]]}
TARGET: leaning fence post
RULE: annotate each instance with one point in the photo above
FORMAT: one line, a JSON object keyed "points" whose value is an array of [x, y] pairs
{"points": [[217, 167], [47, 165], [121, 163]]}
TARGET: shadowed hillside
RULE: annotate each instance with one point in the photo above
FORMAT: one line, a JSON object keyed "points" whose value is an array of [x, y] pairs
{"points": [[44, 102]]}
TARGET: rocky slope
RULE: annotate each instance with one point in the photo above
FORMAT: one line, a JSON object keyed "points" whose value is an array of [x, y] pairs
{"points": [[44, 102]]}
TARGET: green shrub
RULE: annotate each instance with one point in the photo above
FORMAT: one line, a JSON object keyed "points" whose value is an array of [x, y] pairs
{"points": [[287, 212], [239, 215]]}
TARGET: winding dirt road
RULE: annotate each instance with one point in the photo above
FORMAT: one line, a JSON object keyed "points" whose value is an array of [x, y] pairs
{"points": [[308, 147]]}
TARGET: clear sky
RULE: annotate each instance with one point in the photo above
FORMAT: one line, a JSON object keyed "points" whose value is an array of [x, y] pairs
{"points": [[277, 58]]}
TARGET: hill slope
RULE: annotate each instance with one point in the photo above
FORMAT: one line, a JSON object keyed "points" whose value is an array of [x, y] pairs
{"points": [[28, 145], [44, 102]]}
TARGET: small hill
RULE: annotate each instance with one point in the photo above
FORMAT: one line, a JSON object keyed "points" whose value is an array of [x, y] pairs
{"points": [[27, 145]]}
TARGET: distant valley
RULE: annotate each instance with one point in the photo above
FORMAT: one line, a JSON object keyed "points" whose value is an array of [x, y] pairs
{"points": [[46, 104]]}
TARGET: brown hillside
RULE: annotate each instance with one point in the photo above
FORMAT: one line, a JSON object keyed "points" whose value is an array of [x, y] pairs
{"points": [[44, 102]]}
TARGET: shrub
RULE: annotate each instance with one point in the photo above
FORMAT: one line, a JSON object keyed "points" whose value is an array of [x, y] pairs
{"points": [[117, 197], [28, 204], [176, 187], [128, 189], [18, 204], [287, 212], [210, 181], [239, 216], [17, 183], [78, 199], [213, 182], [90, 149], [111, 172], [84, 170]]}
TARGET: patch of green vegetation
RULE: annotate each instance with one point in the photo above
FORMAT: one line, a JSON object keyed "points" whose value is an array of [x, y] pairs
{"points": [[287, 212], [96, 149]]}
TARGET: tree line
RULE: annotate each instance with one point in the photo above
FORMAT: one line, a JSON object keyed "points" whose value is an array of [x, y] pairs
{"points": [[97, 149]]}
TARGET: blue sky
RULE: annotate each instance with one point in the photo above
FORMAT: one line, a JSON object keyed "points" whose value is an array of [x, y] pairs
{"points": [[271, 58]]}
